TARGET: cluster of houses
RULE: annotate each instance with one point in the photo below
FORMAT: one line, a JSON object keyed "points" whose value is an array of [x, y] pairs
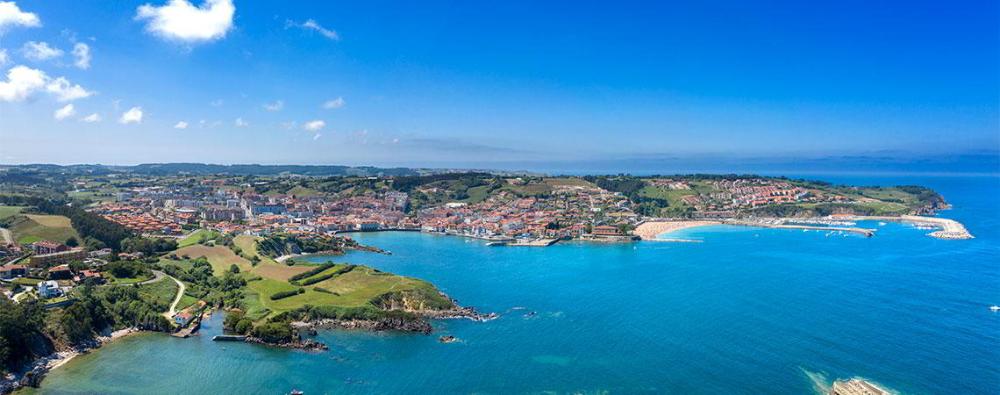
{"points": [[569, 211], [48, 268]]}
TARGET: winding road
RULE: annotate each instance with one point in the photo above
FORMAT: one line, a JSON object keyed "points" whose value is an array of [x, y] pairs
{"points": [[177, 299]]}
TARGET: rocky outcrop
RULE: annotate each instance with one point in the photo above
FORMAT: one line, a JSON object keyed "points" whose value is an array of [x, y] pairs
{"points": [[300, 344], [376, 325]]}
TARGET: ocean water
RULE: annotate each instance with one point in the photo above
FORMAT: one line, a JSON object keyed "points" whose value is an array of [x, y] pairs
{"points": [[746, 310]]}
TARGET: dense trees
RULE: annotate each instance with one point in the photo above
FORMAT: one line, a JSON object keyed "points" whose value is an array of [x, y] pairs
{"points": [[127, 269], [273, 332], [216, 291], [21, 324], [408, 183], [149, 245], [237, 322]]}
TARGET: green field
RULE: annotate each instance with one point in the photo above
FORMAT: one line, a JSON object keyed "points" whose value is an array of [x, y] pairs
{"points": [[186, 301], [220, 257], [29, 228], [161, 292], [355, 288], [127, 280], [301, 191], [7, 211], [196, 237]]}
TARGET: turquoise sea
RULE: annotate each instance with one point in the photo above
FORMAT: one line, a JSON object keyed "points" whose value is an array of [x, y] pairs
{"points": [[754, 311]]}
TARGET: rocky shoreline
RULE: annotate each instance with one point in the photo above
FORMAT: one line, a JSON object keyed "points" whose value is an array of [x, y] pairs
{"points": [[419, 325], [32, 375], [305, 344]]}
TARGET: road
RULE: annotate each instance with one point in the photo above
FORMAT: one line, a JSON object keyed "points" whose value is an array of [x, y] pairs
{"points": [[177, 299], [6, 236], [157, 276]]}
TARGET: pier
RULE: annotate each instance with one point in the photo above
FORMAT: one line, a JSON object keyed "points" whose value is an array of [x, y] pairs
{"points": [[228, 338], [532, 243], [780, 224], [949, 229]]}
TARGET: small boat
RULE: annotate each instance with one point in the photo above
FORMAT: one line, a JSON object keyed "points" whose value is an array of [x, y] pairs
{"points": [[296, 392], [994, 308]]}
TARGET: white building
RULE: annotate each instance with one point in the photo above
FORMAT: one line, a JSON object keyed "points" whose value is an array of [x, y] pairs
{"points": [[48, 289]]}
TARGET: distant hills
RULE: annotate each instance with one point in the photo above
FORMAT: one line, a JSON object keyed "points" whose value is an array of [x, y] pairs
{"points": [[201, 169]]}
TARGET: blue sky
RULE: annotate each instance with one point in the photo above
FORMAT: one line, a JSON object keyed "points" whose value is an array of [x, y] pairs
{"points": [[434, 83]]}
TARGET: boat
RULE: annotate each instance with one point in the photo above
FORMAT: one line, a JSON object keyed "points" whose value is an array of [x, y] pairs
{"points": [[296, 392], [994, 308]]}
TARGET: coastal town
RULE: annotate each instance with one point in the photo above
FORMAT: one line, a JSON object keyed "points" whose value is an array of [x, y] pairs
{"points": [[494, 208], [177, 247]]}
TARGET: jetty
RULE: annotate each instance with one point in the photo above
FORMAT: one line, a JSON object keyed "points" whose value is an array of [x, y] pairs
{"points": [[530, 243], [948, 229], [781, 224], [229, 338]]}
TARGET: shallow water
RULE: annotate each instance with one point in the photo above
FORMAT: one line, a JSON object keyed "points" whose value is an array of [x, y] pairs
{"points": [[746, 311]]}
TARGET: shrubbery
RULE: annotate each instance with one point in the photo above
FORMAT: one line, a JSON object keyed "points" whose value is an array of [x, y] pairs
{"points": [[312, 272], [316, 279], [285, 294]]}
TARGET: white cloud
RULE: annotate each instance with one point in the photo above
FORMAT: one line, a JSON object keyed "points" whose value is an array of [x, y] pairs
{"points": [[216, 103], [66, 91], [39, 51], [133, 115], [334, 104], [11, 15], [180, 20], [21, 82], [95, 117], [240, 123], [81, 52], [276, 106], [64, 112], [181, 125], [314, 126], [4, 59], [317, 136], [310, 24]]}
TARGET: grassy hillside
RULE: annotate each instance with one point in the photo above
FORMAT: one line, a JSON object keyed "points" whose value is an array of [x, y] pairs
{"points": [[160, 293], [29, 228], [357, 286], [9, 211], [221, 258], [196, 237]]}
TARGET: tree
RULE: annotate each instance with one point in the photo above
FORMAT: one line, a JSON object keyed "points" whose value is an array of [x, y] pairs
{"points": [[234, 269], [76, 323], [72, 242]]}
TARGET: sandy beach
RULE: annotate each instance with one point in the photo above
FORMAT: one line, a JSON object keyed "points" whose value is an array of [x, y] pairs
{"points": [[651, 229], [61, 358]]}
